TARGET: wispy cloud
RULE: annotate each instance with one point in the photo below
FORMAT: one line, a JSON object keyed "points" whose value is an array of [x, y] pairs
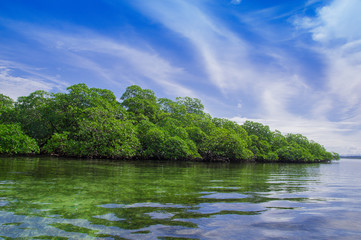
{"points": [[16, 86], [336, 115], [283, 93], [110, 60], [335, 22], [337, 31], [219, 49]]}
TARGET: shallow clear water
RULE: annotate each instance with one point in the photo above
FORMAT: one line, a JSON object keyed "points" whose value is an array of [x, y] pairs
{"points": [[50, 198]]}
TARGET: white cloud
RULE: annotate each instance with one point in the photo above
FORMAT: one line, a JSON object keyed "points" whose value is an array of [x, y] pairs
{"points": [[226, 57], [345, 74], [336, 116], [222, 53], [339, 20], [15, 86], [335, 119], [109, 60], [336, 28], [277, 86], [33, 73], [137, 63]]}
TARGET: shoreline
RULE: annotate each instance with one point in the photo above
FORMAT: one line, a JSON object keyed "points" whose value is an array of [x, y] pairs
{"points": [[144, 159]]}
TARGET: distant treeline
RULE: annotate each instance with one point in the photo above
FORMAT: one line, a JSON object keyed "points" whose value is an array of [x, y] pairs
{"points": [[90, 122], [355, 157]]}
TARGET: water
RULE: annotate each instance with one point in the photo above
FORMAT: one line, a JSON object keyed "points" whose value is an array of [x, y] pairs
{"points": [[50, 198]]}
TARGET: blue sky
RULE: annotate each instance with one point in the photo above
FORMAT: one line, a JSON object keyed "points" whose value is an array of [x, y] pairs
{"points": [[293, 65]]}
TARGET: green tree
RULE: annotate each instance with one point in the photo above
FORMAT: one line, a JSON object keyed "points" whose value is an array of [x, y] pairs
{"points": [[140, 103], [197, 136], [176, 148], [90, 122], [335, 156], [225, 145], [192, 105], [232, 126], [32, 112], [59, 144], [166, 141], [6, 109], [205, 123], [107, 138], [278, 140], [14, 141], [261, 131], [152, 139], [70, 108], [171, 108], [98, 136], [6, 102], [262, 150], [294, 153], [297, 139], [173, 127]]}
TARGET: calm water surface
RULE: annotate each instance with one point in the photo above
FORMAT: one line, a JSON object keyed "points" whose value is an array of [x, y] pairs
{"points": [[50, 198]]}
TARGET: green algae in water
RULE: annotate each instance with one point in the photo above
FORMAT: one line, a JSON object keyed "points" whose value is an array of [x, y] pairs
{"points": [[51, 198]]}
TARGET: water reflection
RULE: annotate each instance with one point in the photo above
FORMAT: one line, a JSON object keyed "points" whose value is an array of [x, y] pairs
{"points": [[92, 199]]}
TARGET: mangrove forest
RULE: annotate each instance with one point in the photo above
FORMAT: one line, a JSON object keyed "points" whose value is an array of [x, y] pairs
{"points": [[91, 123]]}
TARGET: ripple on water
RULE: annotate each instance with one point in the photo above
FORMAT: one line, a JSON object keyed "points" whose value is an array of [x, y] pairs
{"points": [[3, 203], [109, 217], [160, 215], [225, 196], [250, 203], [111, 205], [213, 208], [141, 205]]}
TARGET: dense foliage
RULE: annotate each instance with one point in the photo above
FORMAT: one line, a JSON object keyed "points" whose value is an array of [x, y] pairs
{"points": [[14, 141], [90, 122]]}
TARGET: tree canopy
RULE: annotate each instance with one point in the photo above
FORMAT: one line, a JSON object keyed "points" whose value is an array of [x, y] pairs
{"points": [[90, 122]]}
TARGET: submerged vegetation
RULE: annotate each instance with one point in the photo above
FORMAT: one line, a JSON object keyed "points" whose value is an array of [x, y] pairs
{"points": [[90, 122]]}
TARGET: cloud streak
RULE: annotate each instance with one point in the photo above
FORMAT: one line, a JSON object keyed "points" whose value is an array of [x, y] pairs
{"points": [[16, 86], [221, 52], [112, 61], [336, 115], [283, 94]]}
